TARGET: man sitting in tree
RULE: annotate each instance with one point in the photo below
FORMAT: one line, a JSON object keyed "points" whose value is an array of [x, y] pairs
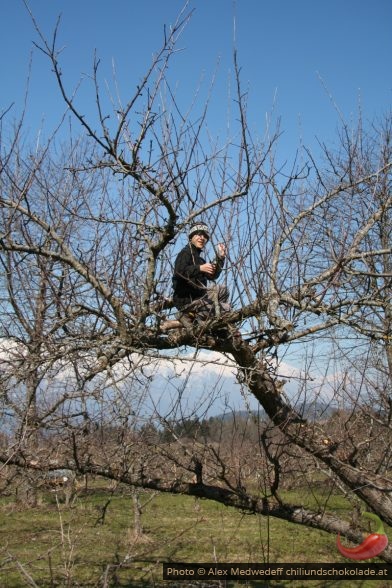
{"points": [[192, 295]]}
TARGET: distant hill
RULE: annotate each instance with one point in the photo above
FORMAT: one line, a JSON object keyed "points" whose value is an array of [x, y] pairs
{"points": [[310, 410]]}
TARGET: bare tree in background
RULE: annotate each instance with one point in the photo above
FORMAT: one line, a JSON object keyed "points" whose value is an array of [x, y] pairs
{"points": [[87, 241]]}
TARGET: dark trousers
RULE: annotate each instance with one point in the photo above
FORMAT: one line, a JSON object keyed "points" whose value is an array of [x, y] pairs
{"points": [[213, 303]]}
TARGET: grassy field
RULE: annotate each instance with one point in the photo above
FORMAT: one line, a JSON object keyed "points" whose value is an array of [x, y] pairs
{"points": [[92, 542]]}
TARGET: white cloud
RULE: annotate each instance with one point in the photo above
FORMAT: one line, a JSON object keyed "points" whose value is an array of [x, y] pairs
{"points": [[192, 381]]}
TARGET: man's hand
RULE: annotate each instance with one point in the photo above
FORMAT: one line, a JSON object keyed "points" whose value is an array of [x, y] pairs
{"points": [[208, 268], [221, 250]]}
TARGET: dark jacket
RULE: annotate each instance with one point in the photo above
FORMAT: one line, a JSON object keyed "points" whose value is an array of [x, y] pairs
{"points": [[189, 283]]}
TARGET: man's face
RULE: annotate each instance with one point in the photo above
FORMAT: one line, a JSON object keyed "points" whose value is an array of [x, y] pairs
{"points": [[199, 239]]}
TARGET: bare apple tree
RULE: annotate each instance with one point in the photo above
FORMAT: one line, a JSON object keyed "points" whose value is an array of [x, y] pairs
{"points": [[88, 235]]}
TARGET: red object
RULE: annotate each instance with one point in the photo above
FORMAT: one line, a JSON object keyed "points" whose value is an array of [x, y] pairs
{"points": [[373, 545]]}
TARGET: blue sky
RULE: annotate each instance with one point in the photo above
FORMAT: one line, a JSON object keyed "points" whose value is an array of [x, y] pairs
{"points": [[284, 47]]}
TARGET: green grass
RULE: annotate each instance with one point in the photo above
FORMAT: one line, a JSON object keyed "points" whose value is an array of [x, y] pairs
{"points": [[59, 546]]}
